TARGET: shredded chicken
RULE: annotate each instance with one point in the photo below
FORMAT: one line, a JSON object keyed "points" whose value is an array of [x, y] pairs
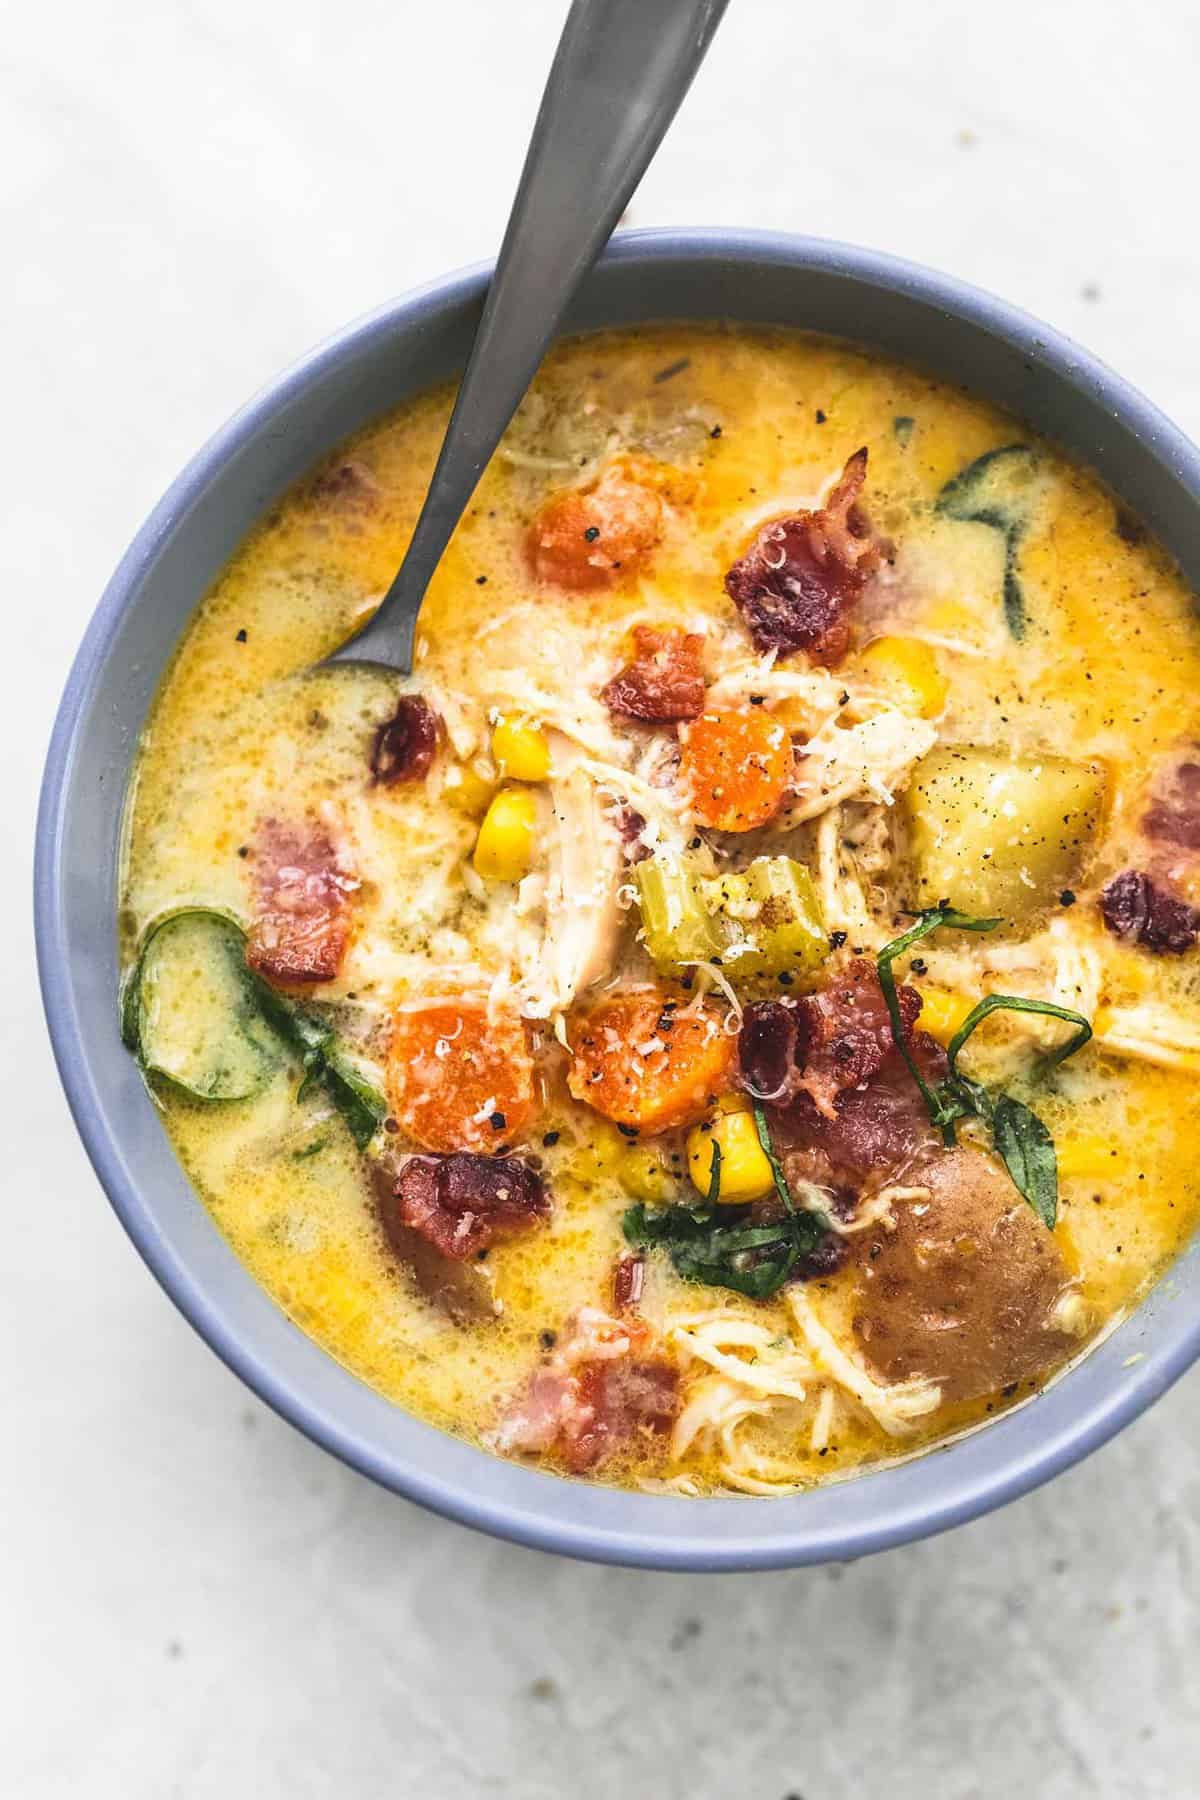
{"points": [[578, 715], [771, 1369], [461, 728], [870, 760], [667, 819], [843, 899], [1071, 972], [752, 1376], [815, 691], [1060, 964], [1151, 1032], [580, 900]]}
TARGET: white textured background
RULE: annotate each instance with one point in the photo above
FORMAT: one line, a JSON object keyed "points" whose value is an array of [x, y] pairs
{"points": [[195, 1604]]}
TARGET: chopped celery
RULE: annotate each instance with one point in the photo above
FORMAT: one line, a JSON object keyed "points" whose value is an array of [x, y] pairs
{"points": [[676, 924], [769, 919], [761, 920]]}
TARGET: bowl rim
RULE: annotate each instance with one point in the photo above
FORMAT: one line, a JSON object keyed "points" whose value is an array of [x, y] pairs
{"points": [[637, 1532]]}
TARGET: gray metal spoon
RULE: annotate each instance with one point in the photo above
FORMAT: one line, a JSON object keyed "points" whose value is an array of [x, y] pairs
{"points": [[621, 70]]}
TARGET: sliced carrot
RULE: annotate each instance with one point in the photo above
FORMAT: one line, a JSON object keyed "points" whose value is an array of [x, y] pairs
{"points": [[457, 1079], [736, 768], [644, 1061], [596, 536]]}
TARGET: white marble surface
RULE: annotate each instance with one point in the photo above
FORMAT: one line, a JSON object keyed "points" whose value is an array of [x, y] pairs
{"points": [[196, 1604]]}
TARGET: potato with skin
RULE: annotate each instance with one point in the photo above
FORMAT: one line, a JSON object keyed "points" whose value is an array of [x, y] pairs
{"points": [[964, 1290], [999, 835]]}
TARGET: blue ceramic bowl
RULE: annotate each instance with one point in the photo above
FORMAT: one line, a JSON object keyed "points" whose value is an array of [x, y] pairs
{"points": [[955, 332]]}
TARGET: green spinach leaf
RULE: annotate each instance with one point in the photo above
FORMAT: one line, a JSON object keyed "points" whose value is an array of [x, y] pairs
{"points": [[706, 1245], [1023, 1141], [941, 1108], [1019, 1136], [997, 489], [255, 1019]]}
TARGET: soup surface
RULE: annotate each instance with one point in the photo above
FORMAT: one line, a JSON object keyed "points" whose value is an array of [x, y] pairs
{"points": [[653, 1039]]}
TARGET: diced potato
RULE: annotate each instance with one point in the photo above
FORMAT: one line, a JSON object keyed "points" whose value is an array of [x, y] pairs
{"points": [[676, 924], [942, 1012], [770, 919], [908, 669], [504, 847], [521, 750], [745, 1172], [998, 835]]}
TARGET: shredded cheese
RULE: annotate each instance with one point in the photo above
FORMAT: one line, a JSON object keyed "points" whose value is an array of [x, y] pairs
{"points": [[896, 1407], [869, 760]]}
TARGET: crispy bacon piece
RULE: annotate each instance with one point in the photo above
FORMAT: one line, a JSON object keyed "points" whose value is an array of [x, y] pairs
{"points": [[798, 582], [1138, 909], [592, 537], [874, 1132], [849, 1032], [600, 1391], [617, 1402], [1173, 816], [665, 680], [462, 1203], [844, 1107], [629, 1279], [823, 1043], [771, 1049], [403, 747], [302, 921], [462, 1290]]}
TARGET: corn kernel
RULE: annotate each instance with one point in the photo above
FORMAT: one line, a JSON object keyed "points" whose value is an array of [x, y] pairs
{"points": [[521, 750], [469, 786], [942, 1012], [643, 1173], [745, 1172], [504, 847], [910, 669]]}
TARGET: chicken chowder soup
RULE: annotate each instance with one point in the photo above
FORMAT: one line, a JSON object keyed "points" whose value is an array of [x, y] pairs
{"points": [[730, 1018]]}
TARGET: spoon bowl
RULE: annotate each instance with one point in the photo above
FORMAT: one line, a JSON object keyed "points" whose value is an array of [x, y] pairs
{"points": [[621, 70]]}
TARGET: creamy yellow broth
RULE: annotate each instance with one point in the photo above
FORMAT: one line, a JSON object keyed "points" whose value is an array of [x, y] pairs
{"points": [[750, 426]]}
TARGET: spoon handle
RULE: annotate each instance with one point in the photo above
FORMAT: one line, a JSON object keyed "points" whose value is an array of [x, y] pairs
{"points": [[621, 71]]}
